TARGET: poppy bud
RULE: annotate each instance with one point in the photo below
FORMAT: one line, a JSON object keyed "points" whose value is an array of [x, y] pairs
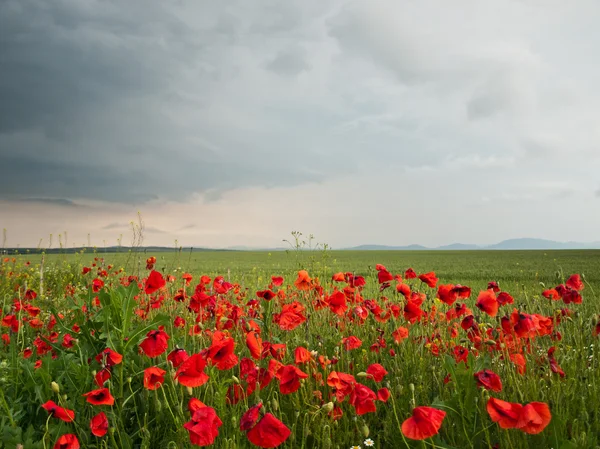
{"points": [[55, 387], [361, 374], [365, 430], [490, 342], [129, 379], [235, 379], [189, 390], [64, 396], [275, 404], [411, 387], [327, 407]]}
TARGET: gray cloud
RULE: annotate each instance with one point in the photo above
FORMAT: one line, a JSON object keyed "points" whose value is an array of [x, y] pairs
{"points": [[290, 62], [156, 103]]}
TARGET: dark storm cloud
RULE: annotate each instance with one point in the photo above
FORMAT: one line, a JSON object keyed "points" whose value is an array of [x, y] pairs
{"points": [[116, 101]]}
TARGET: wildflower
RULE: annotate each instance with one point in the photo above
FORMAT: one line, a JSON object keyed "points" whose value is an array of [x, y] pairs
{"points": [[155, 343], [100, 396], [369, 442], [204, 426], [99, 424], [191, 372], [428, 278], [425, 422], [487, 302], [268, 432], [303, 282], [153, 377], [67, 441], [488, 380], [61, 413], [154, 282]]}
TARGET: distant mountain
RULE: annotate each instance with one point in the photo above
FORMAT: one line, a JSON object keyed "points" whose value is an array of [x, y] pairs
{"points": [[388, 248], [459, 246], [528, 243], [511, 244]]}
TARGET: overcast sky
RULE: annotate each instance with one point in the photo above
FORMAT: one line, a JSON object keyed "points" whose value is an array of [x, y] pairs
{"points": [[235, 122]]}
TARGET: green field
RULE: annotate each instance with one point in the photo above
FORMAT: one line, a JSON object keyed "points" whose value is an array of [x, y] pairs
{"points": [[100, 309], [517, 270]]}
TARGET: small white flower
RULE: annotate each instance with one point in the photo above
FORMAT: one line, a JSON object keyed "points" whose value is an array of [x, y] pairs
{"points": [[355, 447], [369, 442]]}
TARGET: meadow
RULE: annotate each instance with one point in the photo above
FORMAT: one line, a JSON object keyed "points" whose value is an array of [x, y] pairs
{"points": [[300, 349]]}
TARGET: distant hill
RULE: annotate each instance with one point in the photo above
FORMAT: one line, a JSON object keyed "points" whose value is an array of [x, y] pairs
{"points": [[511, 244], [387, 248]]}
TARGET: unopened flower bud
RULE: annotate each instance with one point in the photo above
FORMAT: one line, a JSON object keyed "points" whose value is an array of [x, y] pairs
{"points": [[327, 408], [365, 430], [55, 387]]}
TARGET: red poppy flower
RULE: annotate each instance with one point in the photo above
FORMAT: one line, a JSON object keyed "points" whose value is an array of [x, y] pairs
{"points": [[506, 414], [488, 380], [520, 362], [413, 311], [303, 282], [425, 422], [109, 357], [493, 285], [254, 344], [100, 396], [154, 282], [383, 394], [268, 432], [301, 356], [67, 441], [534, 417], [596, 330], [155, 343], [153, 377], [504, 298], [376, 372], [447, 294], [551, 294], [177, 356], [461, 354], [429, 279], [342, 382], [400, 334], [291, 316], [351, 343], [338, 277], [363, 399], [99, 425], [267, 295], [337, 303], [61, 413], [277, 281], [487, 302], [553, 363], [410, 274], [575, 282], [97, 284], [195, 404], [221, 352], [102, 376], [384, 275], [250, 418], [289, 379], [191, 372], [203, 427], [404, 289]]}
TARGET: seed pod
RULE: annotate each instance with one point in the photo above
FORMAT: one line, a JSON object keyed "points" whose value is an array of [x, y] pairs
{"points": [[365, 430]]}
